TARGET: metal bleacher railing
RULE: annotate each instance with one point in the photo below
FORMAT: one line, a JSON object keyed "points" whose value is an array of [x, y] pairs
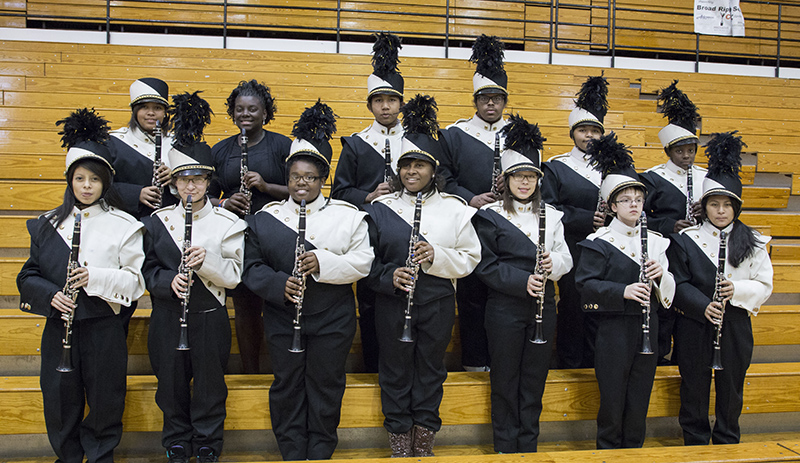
{"points": [[599, 27]]}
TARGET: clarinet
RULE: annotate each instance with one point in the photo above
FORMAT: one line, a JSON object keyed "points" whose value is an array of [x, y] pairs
{"points": [[412, 241], [646, 348], [716, 358], [157, 163], [387, 155], [496, 169], [65, 365], [601, 203], [183, 269], [538, 336], [689, 188], [299, 249], [243, 169]]}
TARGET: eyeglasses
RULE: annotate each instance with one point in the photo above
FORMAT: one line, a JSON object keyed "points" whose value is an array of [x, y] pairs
{"points": [[496, 99], [524, 177], [628, 201], [190, 180], [294, 178]]}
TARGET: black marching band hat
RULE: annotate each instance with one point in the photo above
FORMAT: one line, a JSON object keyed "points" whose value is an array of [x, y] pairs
{"points": [[84, 135], [724, 151], [490, 77], [682, 115], [313, 132], [385, 78], [592, 104], [523, 147], [189, 154], [613, 160], [421, 130], [149, 89]]}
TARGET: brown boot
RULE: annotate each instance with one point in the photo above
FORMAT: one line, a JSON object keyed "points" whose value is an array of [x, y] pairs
{"points": [[423, 441], [401, 444]]}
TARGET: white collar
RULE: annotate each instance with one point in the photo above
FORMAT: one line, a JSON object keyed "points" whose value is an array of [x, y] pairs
{"points": [[314, 206]]}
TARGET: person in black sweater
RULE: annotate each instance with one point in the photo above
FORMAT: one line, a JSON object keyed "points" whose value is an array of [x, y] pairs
{"points": [[251, 106]]}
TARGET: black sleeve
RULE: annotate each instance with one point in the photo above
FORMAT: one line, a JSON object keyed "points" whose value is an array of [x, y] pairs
{"points": [[663, 225], [157, 276], [448, 166], [688, 299], [345, 182], [34, 289], [267, 283], [381, 273], [591, 275], [577, 221]]}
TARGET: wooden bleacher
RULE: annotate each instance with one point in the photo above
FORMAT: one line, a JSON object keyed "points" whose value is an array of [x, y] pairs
{"points": [[42, 82]]}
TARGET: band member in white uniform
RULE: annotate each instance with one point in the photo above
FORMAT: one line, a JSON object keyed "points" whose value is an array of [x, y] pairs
{"points": [[191, 383], [411, 374], [107, 277], [310, 308], [618, 288], [510, 237], [364, 169], [706, 297]]}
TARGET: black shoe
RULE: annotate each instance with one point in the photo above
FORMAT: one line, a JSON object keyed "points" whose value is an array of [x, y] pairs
{"points": [[206, 455], [177, 454]]}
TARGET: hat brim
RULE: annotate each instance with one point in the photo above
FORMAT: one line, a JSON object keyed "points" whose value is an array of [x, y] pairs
{"points": [[197, 169], [523, 168], [150, 99], [421, 155]]}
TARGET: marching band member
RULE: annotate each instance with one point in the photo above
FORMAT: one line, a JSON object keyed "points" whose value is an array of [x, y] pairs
{"points": [[571, 185], [364, 168], [191, 383], [618, 285], [411, 374], [468, 150], [250, 107], [743, 286], [509, 231], [108, 276], [309, 316], [132, 149], [668, 206]]}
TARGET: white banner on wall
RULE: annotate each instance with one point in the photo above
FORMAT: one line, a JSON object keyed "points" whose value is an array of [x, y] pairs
{"points": [[718, 17]]}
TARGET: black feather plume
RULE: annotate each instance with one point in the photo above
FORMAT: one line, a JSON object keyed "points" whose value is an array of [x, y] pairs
{"points": [[593, 96], [724, 151], [190, 114], [83, 125], [317, 122], [609, 155], [678, 108], [487, 54], [384, 57], [522, 136], [419, 116]]}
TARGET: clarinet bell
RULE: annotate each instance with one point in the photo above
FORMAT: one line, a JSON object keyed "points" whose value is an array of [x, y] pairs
{"points": [[716, 359], [538, 336], [297, 346], [646, 347], [406, 336], [65, 364], [183, 338]]}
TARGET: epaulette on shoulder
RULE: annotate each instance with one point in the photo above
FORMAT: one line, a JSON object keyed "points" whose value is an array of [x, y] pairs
{"points": [[460, 121], [700, 168], [558, 156], [459, 198], [386, 197], [657, 168], [653, 232], [120, 130], [225, 213], [688, 229], [496, 206], [339, 202], [551, 207], [122, 214], [159, 212], [601, 232]]}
